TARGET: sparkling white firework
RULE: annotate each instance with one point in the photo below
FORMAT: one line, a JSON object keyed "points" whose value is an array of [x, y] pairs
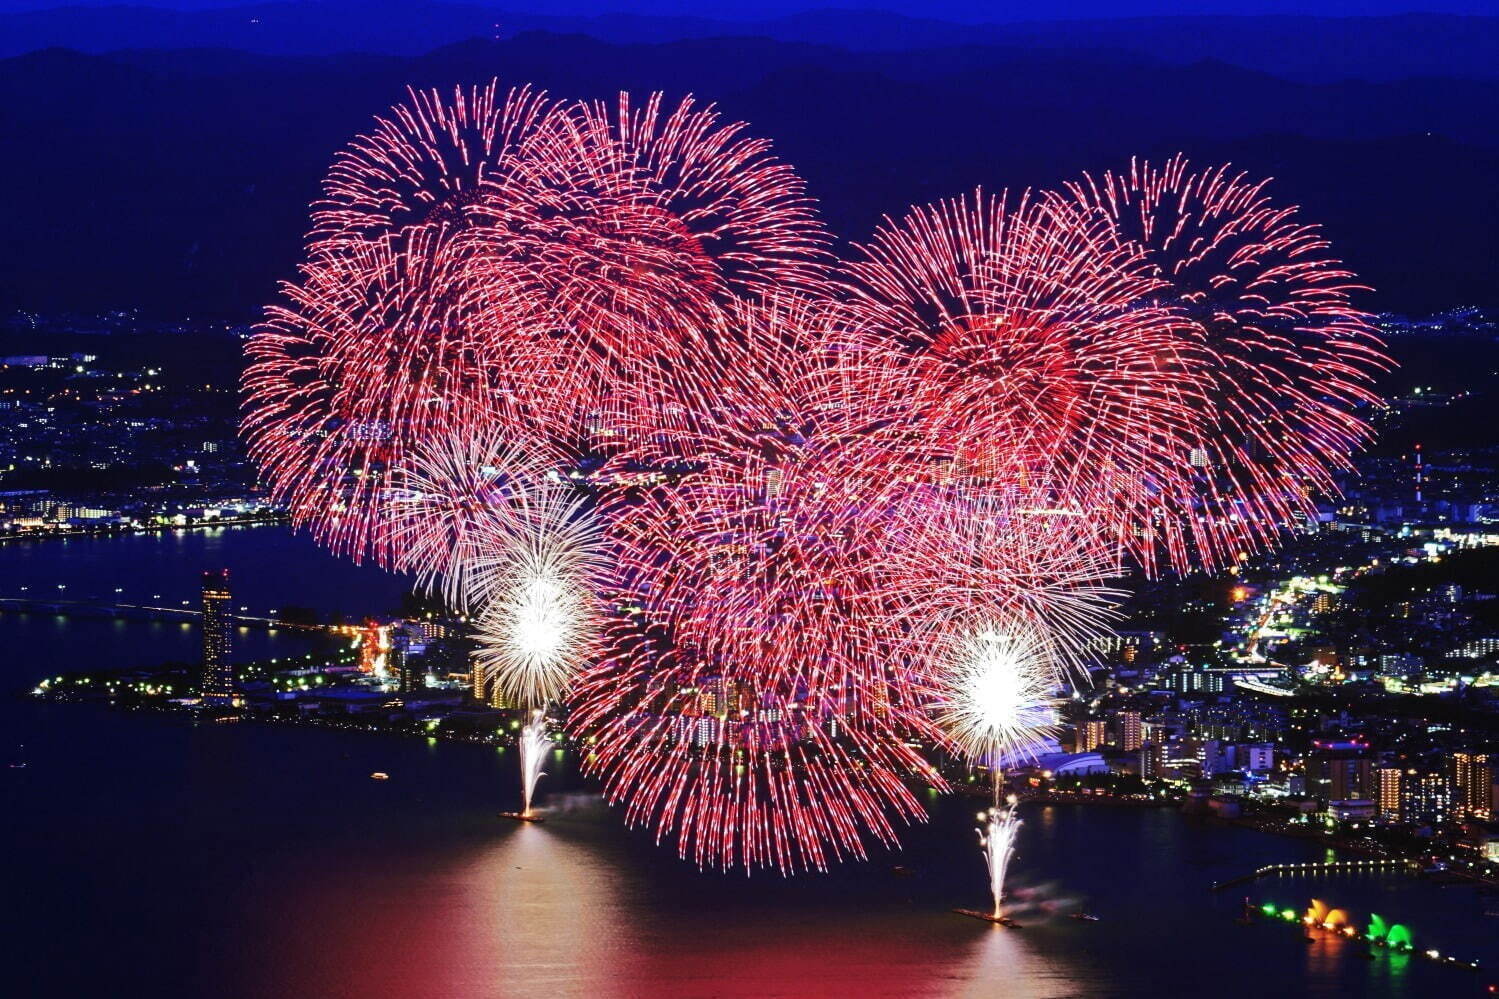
{"points": [[453, 497], [997, 701], [539, 572]]}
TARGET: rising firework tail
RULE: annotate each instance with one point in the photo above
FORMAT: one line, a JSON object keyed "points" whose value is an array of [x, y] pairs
{"points": [[533, 745], [997, 839]]}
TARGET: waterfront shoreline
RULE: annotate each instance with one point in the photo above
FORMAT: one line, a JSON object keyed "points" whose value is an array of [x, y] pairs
{"points": [[265, 520]]}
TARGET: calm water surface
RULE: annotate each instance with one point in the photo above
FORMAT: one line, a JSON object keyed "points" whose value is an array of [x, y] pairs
{"points": [[150, 856]]}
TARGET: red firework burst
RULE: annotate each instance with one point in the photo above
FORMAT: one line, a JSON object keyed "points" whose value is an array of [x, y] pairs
{"points": [[1288, 360], [791, 482], [643, 226], [755, 568], [512, 261], [386, 343], [741, 774], [1041, 367], [427, 163]]}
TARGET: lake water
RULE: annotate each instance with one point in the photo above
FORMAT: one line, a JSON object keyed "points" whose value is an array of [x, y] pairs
{"points": [[147, 855]]}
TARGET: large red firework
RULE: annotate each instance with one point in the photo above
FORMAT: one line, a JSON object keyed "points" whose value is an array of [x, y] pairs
{"points": [[1043, 368], [792, 480], [427, 164], [383, 344], [1287, 361], [510, 261], [644, 225], [656, 217], [755, 570]]}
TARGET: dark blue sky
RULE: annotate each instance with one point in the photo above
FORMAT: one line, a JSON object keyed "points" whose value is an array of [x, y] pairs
{"points": [[966, 10]]}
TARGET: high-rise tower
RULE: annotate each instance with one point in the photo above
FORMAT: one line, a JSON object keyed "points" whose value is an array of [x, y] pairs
{"points": [[216, 682]]}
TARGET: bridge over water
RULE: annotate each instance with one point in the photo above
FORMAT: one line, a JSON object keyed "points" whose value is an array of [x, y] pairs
{"points": [[140, 612]]}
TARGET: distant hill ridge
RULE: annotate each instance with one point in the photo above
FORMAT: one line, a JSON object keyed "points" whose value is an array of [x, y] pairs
{"points": [[1296, 47], [177, 181]]}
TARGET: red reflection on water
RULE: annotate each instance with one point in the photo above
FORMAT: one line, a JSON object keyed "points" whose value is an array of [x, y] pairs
{"points": [[540, 911]]}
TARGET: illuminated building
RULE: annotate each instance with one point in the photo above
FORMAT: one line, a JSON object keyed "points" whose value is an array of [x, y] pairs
{"points": [[405, 664], [1091, 734], [427, 631], [1198, 679], [1390, 780], [1211, 758], [1152, 761], [477, 682], [1472, 785], [1336, 773], [1130, 737], [216, 682], [1257, 757], [485, 689], [1425, 797]]}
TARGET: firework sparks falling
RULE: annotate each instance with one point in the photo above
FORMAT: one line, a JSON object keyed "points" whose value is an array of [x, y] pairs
{"points": [[521, 262]]}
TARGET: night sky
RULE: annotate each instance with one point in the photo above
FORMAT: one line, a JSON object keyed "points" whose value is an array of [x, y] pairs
{"points": [[965, 10]]}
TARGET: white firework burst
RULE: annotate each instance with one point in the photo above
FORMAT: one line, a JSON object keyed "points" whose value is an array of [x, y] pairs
{"points": [[995, 691], [539, 574]]}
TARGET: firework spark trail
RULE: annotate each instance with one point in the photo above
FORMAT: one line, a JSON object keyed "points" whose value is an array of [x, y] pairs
{"points": [[457, 498], [373, 352], [519, 261], [997, 839], [772, 729], [980, 555], [765, 552], [427, 162], [646, 223], [533, 744], [740, 774]]}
